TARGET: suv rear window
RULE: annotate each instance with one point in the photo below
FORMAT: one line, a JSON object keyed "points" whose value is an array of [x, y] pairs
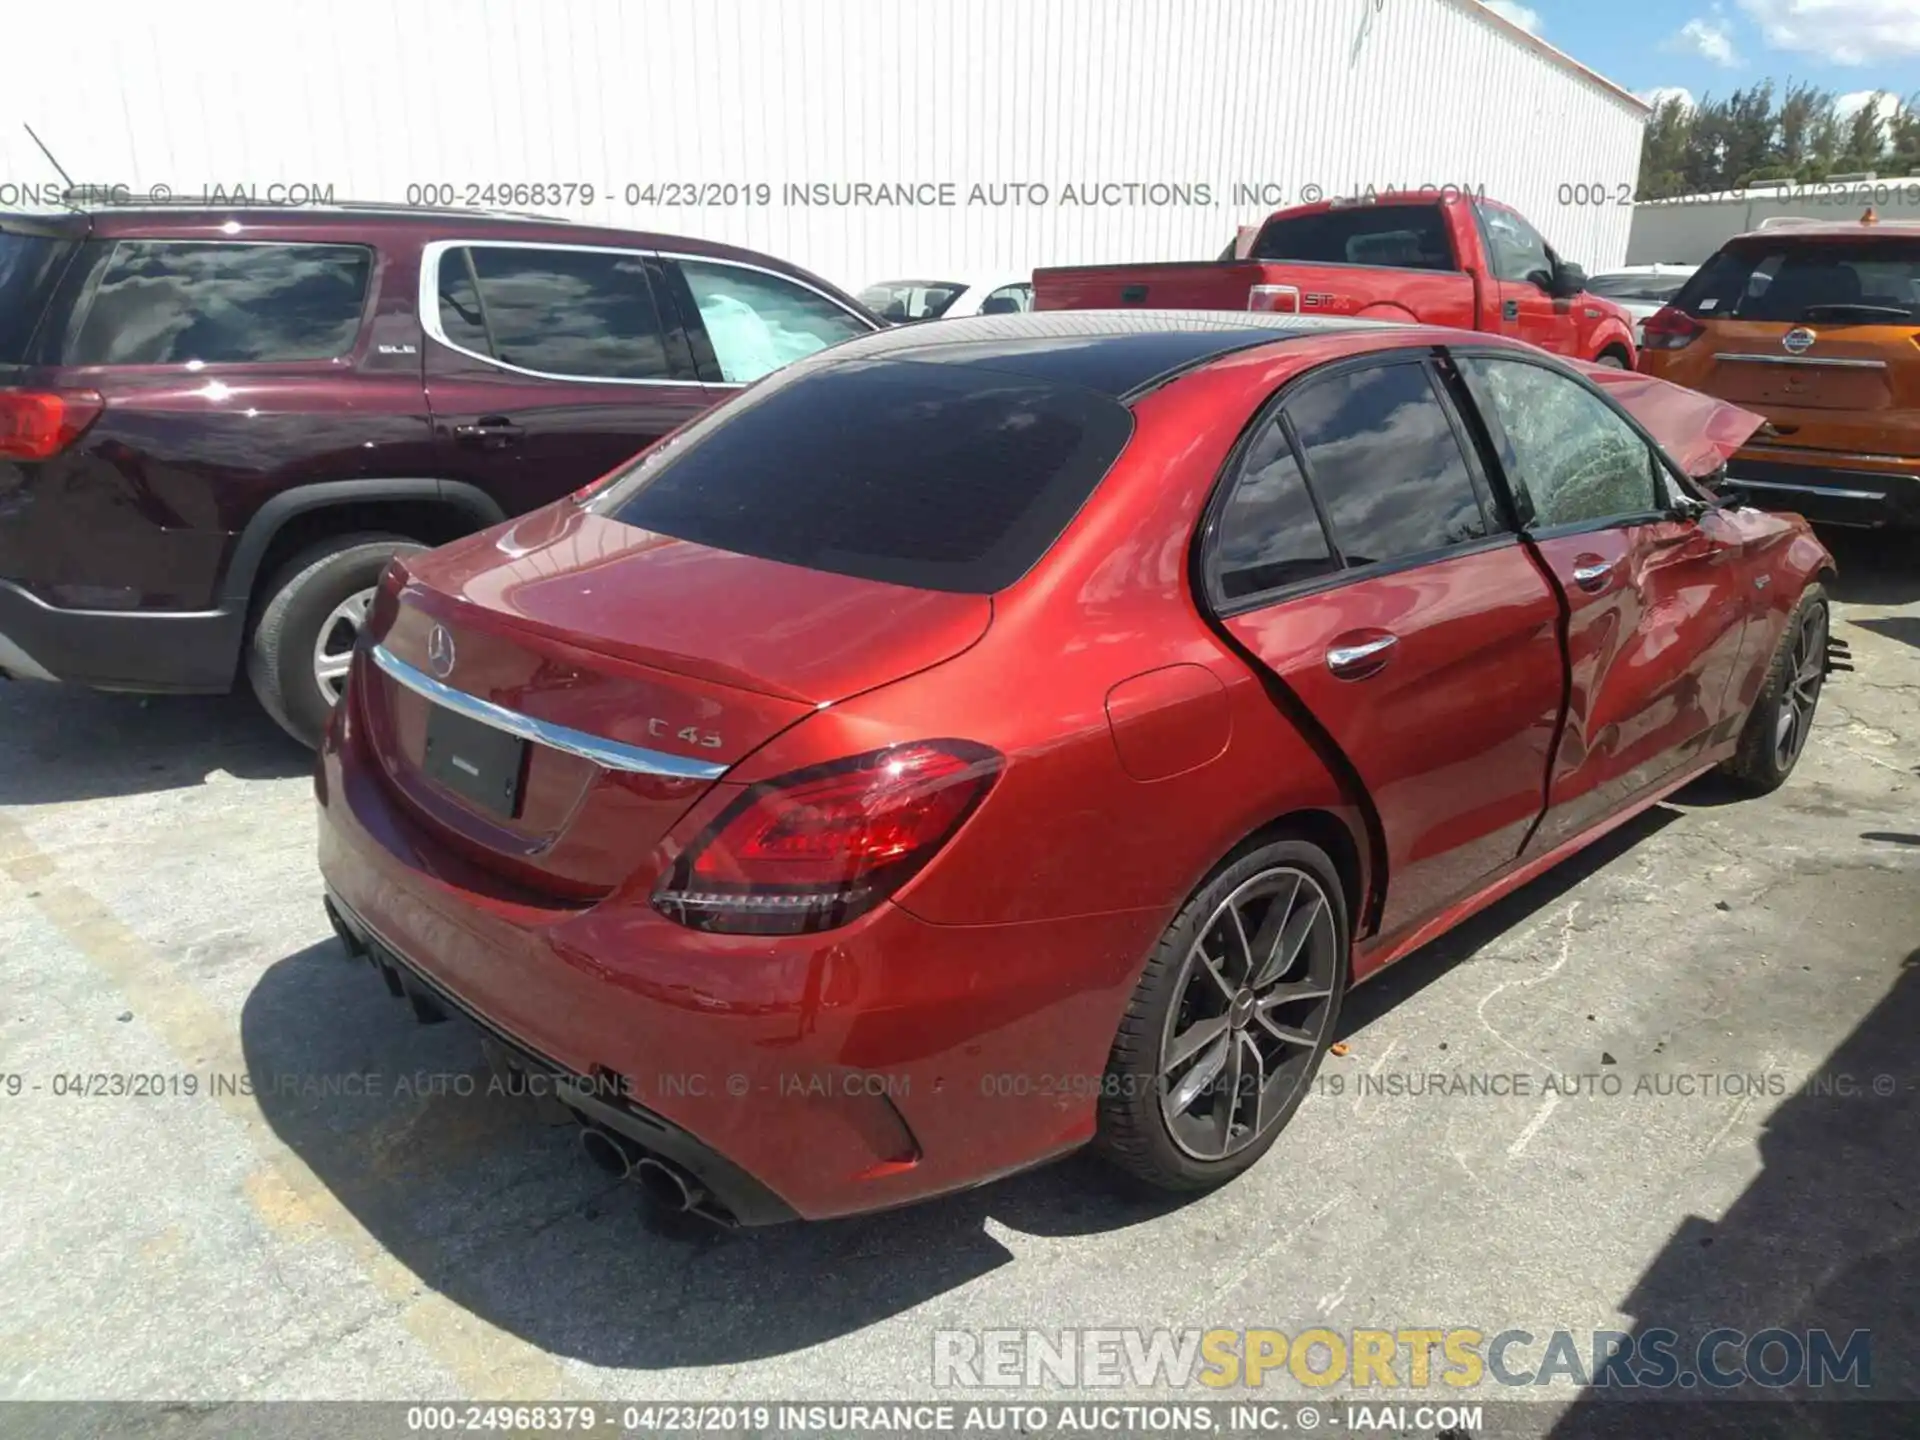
{"points": [[1839, 281], [1411, 237], [941, 477], [27, 264], [166, 302]]}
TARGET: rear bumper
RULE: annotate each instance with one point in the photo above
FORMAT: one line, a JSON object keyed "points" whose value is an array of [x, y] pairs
{"points": [[1831, 489], [741, 1198], [811, 1075], [142, 650]]}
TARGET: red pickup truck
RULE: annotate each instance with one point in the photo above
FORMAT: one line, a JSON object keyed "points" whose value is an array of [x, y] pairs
{"points": [[1437, 258]]}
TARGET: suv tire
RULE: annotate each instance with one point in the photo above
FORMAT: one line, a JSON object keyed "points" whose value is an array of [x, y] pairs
{"points": [[305, 595], [1169, 1014]]}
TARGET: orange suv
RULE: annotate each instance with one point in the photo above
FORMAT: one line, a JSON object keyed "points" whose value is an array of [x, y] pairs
{"points": [[1816, 327]]}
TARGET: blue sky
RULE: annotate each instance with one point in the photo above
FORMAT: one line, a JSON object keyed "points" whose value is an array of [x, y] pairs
{"points": [[1851, 47]]}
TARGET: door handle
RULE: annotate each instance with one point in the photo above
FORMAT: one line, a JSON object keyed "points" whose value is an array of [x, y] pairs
{"points": [[490, 431], [1359, 658], [1591, 573]]}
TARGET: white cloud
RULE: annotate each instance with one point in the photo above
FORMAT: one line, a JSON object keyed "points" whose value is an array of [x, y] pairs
{"points": [[1845, 32], [1661, 94], [1852, 103], [1710, 39], [1514, 13]]}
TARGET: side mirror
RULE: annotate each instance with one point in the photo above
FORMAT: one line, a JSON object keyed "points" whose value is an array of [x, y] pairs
{"points": [[1725, 489], [1567, 281]]}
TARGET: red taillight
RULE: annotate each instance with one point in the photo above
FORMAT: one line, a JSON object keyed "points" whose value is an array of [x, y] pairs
{"points": [[820, 847], [1280, 298], [1669, 329], [38, 424]]}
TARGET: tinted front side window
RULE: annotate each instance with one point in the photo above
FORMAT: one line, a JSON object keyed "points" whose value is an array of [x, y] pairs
{"points": [[162, 302], [1382, 456], [759, 322], [1568, 457], [1409, 236], [942, 477], [1270, 534], [585, 313]]}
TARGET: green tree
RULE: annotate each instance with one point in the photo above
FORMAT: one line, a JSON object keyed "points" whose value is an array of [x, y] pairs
{"points": [[1663, 153], [1748, 139], [1866, 139], [1903, 138], [1825, 142], [1800, 111]]}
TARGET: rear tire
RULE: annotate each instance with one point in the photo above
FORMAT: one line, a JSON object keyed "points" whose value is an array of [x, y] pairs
{"points": [[307, 622], [1612, 359], [1222, 1039], [1782, 717]]}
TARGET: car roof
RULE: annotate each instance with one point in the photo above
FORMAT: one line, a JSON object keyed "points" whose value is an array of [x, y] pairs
{"points": [[1120, 353], [1831, 230]]}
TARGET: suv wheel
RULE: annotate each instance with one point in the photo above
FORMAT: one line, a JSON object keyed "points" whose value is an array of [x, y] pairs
{"points": [[1231, 1018], [308, 622]]}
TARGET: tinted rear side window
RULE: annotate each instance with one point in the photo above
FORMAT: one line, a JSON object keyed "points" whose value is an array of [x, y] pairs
{"points": [[1864, 281], [1409, 236], [576, 313], [29, 266], [162, 302], [942, 477], [1383, 458], [1270, 534]]}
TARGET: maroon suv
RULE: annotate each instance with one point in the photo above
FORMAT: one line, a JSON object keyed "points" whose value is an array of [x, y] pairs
{"points": [[216, 425]]}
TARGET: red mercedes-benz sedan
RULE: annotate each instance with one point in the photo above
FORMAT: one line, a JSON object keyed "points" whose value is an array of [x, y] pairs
{"points": [[981, 740]]}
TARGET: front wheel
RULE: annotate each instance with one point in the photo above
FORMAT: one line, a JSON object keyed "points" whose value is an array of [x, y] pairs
{"points": [[311, 617], [1782, 716], [1229, 1022], [1612, 360]]}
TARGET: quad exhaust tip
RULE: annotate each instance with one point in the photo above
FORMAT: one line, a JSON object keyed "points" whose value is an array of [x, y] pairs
{"points": [[665, 1184]]}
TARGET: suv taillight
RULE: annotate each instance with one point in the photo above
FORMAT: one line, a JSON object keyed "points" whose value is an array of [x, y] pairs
{"points": [[1670, 329], [39, 424], [819, 847]]}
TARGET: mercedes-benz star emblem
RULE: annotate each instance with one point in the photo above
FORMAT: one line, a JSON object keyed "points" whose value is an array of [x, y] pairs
{"points": [[440, 651], [1799, 340]]}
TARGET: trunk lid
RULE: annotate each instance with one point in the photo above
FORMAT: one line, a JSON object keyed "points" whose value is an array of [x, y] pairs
{"points": [[596, 640]]}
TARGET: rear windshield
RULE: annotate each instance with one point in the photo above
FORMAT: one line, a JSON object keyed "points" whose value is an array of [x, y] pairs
{"points": [[1839, 281], [1411, 237], [942, 477], [29, 264]]}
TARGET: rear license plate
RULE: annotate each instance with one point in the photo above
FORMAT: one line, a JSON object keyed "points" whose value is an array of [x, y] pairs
{"points": [[476, 761]]}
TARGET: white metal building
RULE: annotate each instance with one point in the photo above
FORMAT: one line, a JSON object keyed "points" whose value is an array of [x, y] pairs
{"points": [[991, 134], [1689, 228]]}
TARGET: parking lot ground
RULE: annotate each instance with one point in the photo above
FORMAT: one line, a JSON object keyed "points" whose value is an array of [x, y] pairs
{"points": [[160, 916]]}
